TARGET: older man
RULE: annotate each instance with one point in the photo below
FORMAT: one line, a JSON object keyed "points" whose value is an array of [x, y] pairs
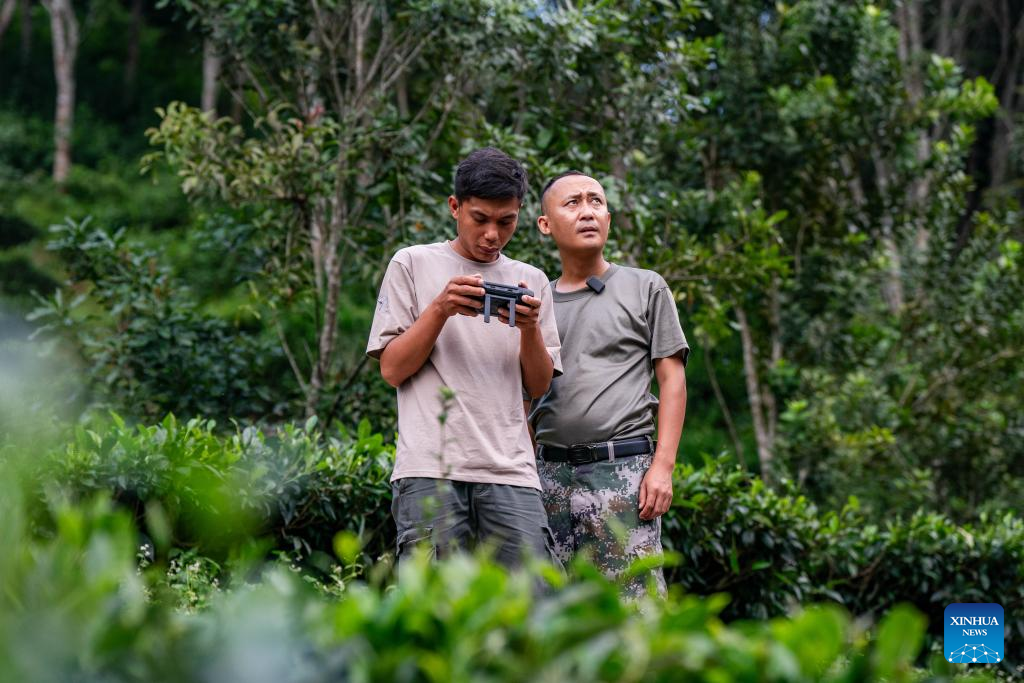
{"points": [[606, 481]]}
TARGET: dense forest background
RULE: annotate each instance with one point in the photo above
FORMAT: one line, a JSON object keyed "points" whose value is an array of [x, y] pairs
{"points": [[198, 199], [832, 189]]}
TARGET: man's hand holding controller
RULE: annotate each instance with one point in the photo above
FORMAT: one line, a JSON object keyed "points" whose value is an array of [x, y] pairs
{"points": [[463, 295], [527, 310]]}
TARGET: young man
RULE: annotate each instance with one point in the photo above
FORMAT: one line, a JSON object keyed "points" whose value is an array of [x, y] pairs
{"points": [[464, 468], [606, 481]]}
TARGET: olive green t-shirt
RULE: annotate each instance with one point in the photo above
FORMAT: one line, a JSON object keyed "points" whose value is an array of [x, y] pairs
{"points": [[609, 343]]}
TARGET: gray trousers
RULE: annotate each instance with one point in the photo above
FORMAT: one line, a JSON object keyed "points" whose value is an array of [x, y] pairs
{"points": [[452, 516]]}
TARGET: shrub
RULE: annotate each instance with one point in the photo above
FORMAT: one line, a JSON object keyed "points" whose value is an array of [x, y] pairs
{"points": [[149, 349], [295, 486], [770, 550], [75, 607]]}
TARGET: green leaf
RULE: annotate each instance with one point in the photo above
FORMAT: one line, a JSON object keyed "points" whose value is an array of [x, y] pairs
{"points": [[897, 642]]}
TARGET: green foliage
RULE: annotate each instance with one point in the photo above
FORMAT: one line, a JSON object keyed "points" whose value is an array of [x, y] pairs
{"points": [[780, 159], [920, 407], [742, 253], [24, 144], [148, 348], [348, 154], [821, 196], [736, 535], [770, 550], [78, 597], [78, 593], [115, 197], [294, 485], [215, 157], [192, 577]]}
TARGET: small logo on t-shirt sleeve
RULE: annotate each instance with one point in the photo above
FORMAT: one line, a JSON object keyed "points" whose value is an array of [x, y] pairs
{"points": [[383, 303]]}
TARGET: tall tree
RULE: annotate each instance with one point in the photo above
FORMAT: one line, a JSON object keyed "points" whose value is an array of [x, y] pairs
{"points": [[332, 151], [64, 30], [6, 14], [211, 77], [985, 37]]}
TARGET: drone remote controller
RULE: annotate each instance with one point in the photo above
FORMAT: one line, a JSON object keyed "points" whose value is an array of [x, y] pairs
{"points": [[497, 296]]}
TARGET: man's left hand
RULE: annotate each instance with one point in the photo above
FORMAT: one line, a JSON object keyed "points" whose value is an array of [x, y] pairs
{"points": [[655, 492], [527, 316]]}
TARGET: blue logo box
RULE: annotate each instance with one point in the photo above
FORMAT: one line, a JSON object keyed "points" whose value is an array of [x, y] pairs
{"points": [[972, 633]]}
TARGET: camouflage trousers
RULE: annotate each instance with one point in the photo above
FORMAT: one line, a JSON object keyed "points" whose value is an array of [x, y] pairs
{"points": [[595, 509]]}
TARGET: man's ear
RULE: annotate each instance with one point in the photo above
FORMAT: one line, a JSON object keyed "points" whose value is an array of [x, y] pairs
{"points": [[542, 225], [453, 206]]}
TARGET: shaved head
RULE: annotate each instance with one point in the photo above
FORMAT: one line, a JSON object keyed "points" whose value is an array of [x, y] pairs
{"points": [[575, 214], [547, 186]]}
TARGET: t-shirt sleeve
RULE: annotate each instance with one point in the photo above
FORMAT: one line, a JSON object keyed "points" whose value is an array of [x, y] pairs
{"points": [[667, 338], [549, 328], [396, 308]]}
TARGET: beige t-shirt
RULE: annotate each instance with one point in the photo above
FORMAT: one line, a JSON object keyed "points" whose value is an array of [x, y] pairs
{"points": [[484, 437]]}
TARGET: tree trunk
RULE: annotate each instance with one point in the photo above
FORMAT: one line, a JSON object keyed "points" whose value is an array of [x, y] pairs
{"points": [[211, 76], [131, 63], [730, 424], [944, 40], [327, 253], [911, 52], [64, 28], [623, 222], [910, 47], [6, 14], [892, 288], [1007, 78], [775, 323], [999, 159], [755, 396]]}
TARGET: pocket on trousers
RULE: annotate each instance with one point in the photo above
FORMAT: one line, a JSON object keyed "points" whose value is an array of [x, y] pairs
{"points": [[410, 538]]}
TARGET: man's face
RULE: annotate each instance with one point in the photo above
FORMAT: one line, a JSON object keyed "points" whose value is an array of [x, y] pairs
{"points": [[485, 226], [576, 214]]}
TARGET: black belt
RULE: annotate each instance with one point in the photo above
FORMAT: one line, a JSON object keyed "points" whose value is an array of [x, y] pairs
{"points": [[583, 453]]}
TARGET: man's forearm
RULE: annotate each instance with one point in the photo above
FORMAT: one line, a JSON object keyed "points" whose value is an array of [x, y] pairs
{"points": [[405, 354], [529, 427], [671, 410], [535, 362]]}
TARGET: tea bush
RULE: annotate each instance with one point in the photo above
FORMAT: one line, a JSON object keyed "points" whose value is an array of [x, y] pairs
{"points": [[74, 606], [295, 486], [771, 550]]}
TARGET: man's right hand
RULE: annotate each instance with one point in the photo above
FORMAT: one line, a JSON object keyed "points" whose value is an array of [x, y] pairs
{"points": [[406, 354], [455, 299]]}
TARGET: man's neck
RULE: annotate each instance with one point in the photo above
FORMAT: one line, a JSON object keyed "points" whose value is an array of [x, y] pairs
{"points": [[578, 268]]}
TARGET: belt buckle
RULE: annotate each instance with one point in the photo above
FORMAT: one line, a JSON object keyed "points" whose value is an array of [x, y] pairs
{"points": [[580, 454]]}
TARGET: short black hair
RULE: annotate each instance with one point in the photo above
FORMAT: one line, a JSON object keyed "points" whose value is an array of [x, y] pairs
{"points": [[554, 180], [489, 173]]}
